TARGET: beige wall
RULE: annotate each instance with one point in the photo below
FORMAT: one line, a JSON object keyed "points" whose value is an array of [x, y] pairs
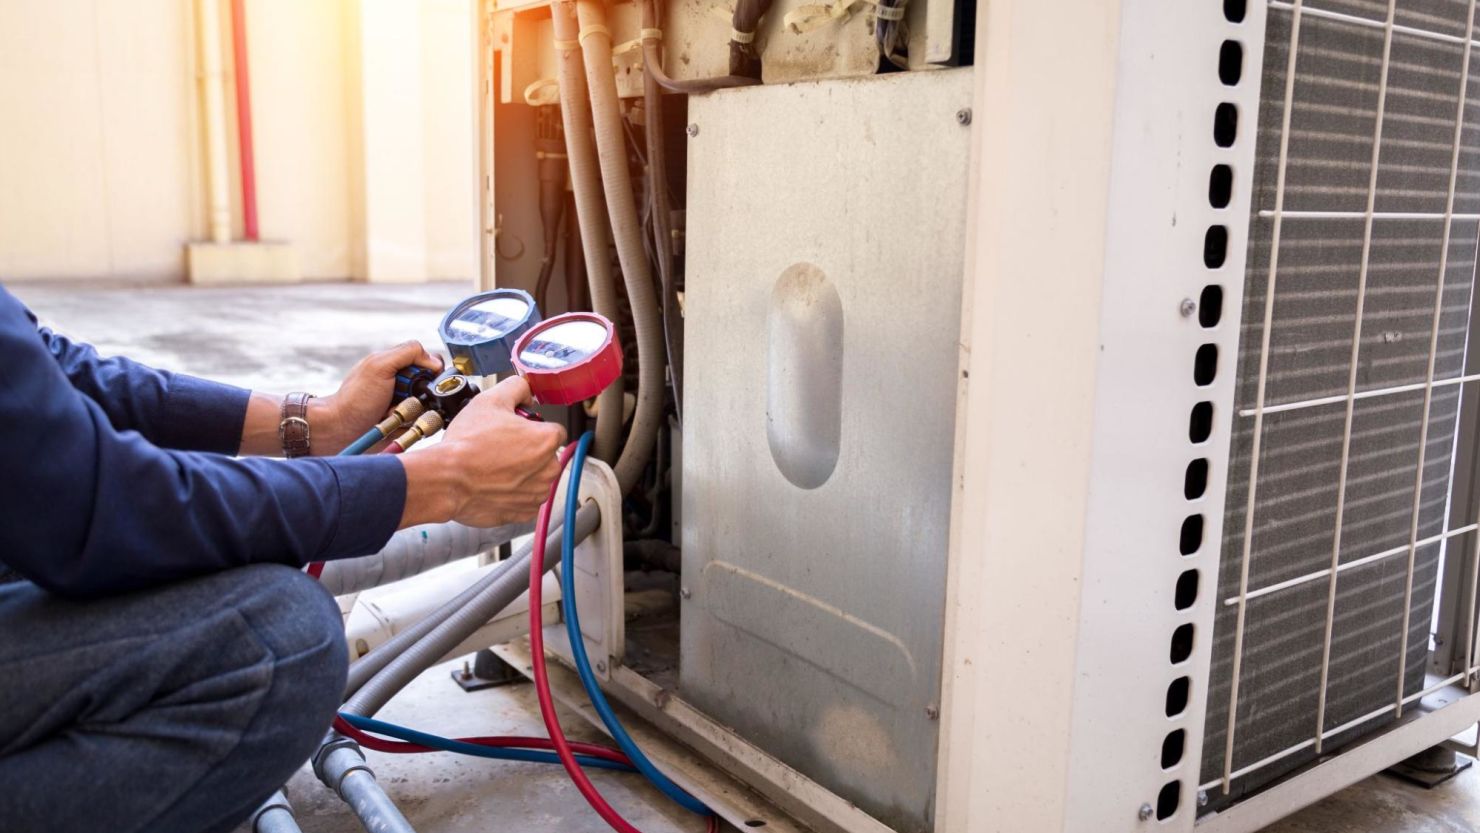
{"points": [[97, 165], [364, 123]]}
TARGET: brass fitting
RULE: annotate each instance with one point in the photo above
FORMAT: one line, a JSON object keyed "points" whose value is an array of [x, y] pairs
{"points": [[405, 411], [425, 425]]}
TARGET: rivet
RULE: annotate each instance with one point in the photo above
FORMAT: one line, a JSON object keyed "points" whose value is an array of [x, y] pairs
{"points": [[963, 116], [1146, 811], [685, 592], [1188, 307], [932, 712], [692, 130]]}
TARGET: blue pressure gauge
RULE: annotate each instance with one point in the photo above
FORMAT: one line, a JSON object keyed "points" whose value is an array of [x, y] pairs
{"points": [[481, 331]]}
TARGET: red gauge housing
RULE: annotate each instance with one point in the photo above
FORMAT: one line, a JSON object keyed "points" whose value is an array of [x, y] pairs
{"points": [[569, 358]]}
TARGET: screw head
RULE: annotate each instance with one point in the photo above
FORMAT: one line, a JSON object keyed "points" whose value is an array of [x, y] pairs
{"points": [[685, 592], [601, 666], [932, 712], [963, 116], [1146, 811], [1202, 798], [692, 130], [1187, 307]]}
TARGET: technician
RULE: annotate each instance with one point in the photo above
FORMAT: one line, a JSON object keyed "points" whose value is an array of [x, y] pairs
{"points": [[165, 664]]}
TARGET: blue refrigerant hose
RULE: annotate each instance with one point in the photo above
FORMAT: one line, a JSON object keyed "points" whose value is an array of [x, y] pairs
{"points": [[366, 440], [578, 646], [502, 753]]}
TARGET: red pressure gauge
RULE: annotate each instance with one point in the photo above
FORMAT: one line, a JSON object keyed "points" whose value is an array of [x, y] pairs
{"points": [[569, 358]]}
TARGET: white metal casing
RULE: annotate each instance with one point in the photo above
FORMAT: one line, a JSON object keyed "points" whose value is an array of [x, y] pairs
{"points": [[1090, 207]]}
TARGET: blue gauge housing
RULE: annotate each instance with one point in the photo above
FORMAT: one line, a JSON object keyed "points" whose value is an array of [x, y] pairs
{"points": [[481, 331]]}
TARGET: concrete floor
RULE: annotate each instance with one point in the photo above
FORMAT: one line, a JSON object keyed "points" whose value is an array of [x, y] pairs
{"points": [[304, 338]]}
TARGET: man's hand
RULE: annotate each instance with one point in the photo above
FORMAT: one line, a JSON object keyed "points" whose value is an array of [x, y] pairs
{"points": [[364, 397], [492, 467]]}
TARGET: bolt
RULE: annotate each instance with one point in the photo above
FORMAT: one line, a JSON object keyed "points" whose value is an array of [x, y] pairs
{"points": [[932, 712], [685, 592], [1145, 811], [1202, 798], [692, 130], [467, 672], [963, 116], [1188, 307]]}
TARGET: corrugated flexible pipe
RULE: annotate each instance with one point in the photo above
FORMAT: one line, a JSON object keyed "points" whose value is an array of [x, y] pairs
{"points": [[412, 551], [621, 207], [507, 586], [585, 183], [362, 670]]}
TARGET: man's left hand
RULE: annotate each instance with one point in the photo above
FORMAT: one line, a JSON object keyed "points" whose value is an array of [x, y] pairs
{"points": [[364, 397]]}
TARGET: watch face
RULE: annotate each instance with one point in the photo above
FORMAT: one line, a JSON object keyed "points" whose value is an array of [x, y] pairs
{"points": [[563, 345], [487, 320]]}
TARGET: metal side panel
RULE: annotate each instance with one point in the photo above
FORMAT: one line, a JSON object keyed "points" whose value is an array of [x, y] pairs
{"points": [[826, 226]]}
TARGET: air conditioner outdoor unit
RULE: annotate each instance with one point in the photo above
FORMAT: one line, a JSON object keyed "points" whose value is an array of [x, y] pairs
{"points": [[1083, 440]]}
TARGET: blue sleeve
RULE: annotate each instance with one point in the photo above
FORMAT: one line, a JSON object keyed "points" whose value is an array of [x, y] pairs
{"points": [[170, 410], [88, 510]]}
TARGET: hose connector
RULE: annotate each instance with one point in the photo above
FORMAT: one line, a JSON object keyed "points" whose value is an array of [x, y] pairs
{"points": [[425, 425], [404, 412], [451, 394]]}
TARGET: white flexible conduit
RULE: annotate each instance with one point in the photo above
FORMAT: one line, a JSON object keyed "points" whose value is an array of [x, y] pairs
{"points": [[585, 183], [611, 148], [415, 550]]}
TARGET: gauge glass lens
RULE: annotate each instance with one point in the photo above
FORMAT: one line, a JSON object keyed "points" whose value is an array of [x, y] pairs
{"points": [[487, 320], [563, 345]]}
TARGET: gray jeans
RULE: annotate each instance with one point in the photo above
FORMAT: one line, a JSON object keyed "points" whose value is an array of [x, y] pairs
{"points": [[177, 709]]}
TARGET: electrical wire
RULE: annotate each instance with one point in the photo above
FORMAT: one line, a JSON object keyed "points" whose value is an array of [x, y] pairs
{"points": [[583, 661], [889, 32], [501, 748], [652, 62]]}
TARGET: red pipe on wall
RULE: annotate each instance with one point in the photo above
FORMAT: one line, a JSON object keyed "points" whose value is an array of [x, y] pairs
{"points": [[244, 120]]}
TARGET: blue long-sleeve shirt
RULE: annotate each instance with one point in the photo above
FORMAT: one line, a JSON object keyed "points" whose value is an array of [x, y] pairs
{"points": [[115, 476]]}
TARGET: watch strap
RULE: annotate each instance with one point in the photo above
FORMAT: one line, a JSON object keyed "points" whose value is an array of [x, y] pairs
{"points": [[293, 430]]}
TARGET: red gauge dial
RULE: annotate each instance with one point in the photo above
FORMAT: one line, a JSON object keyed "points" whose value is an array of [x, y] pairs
{"points": [[569, 358]]}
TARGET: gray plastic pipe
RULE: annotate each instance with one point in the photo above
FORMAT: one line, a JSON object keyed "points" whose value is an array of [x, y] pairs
{"points": [[506, 586], [275, 816], [341, 766], [415, 550], [585, 184], [363, 669], [621, 207]]}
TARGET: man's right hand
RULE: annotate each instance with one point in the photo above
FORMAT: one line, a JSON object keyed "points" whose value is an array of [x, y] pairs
{"points": [[493, 467]]}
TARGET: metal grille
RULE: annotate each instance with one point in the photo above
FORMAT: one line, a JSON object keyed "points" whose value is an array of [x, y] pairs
{"points": [[1350, 369]]}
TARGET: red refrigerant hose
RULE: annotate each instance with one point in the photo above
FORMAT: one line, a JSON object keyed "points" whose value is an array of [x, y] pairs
{"points": [[537, 657]]}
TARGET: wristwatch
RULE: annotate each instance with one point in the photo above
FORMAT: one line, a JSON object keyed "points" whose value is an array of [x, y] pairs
{"points": [[293, 429]]}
